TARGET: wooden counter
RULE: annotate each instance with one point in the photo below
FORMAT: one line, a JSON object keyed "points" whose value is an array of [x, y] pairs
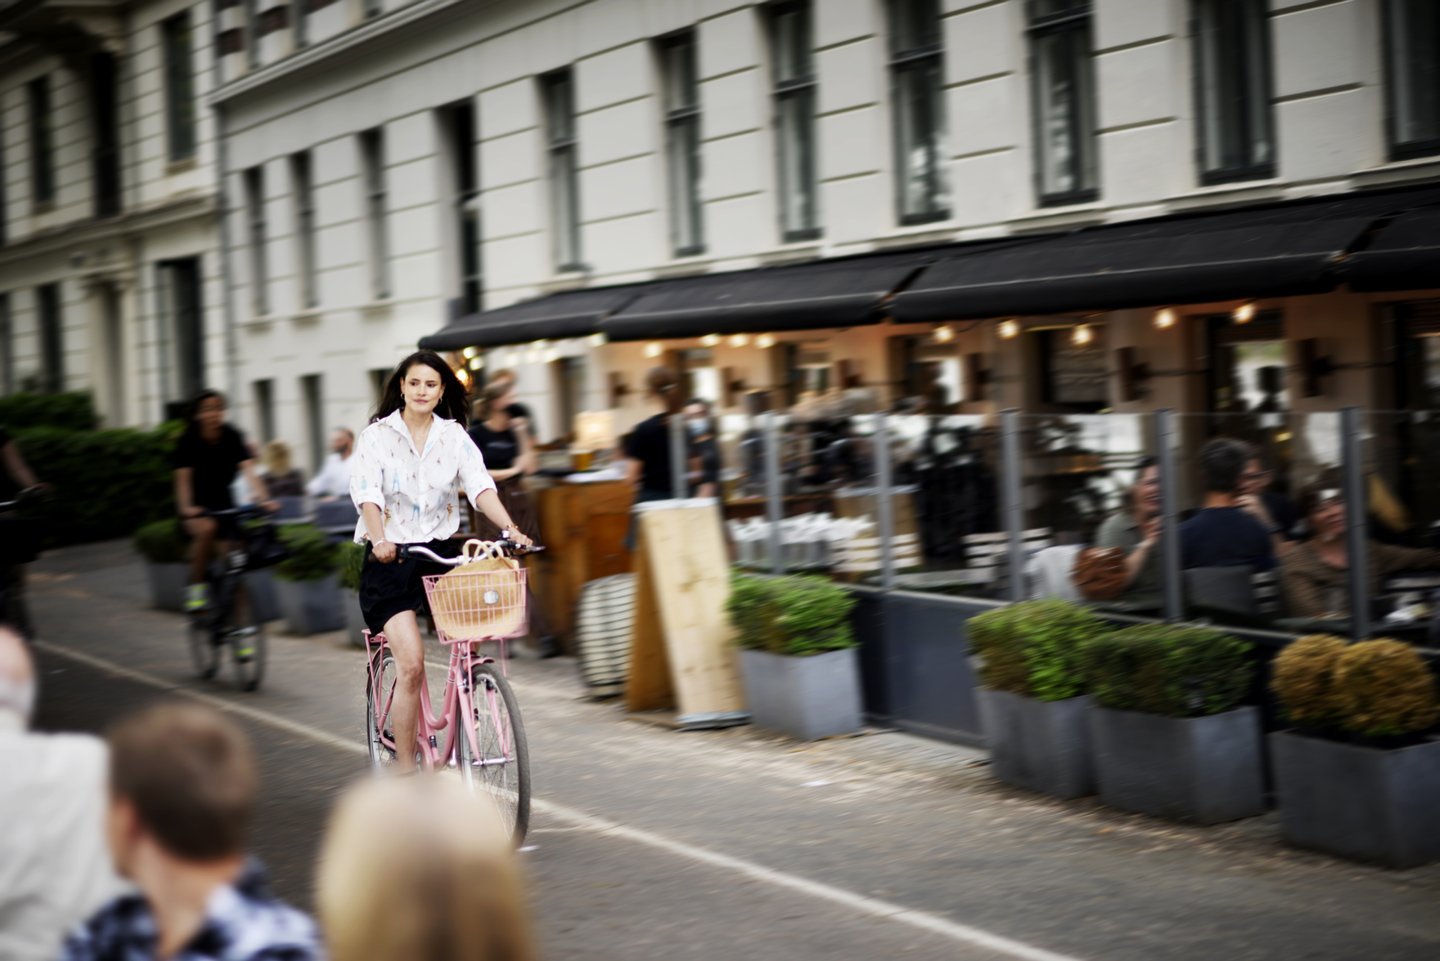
{"points": [[584, 527]]}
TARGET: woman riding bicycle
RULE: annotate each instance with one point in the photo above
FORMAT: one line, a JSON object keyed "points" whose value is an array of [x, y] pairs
{"points": [[408, 469], [207, 457]]}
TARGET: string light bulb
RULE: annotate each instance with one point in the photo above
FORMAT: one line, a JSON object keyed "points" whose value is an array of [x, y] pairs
{"points": [[653, 350], [1009, 329], [740, 340], [710, 340], [470, 352], [1245, 313], [463, 376], [1082, 335], [765, 341], [1164, 318], [597, 340], [944, 334]]}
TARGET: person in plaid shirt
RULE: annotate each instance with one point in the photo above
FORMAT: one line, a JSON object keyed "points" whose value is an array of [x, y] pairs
{"points": [[183, 782]]}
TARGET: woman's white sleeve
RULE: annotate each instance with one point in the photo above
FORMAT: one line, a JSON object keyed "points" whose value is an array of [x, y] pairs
{"points": [[475, 479], [367, 474]]}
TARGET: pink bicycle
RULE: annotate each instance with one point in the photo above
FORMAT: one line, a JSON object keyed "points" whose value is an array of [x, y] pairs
{"points": [[478, 731]]}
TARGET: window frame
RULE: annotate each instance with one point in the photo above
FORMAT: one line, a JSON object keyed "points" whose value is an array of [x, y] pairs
{"points": [[1251, 170], [42, 146], [683, 145], [254, 187], [377, 204], [1398, 150], [302, 192], [802, 89], [918, 60], [1075, 22], [50, 326], [181, 131], [562, 163]]}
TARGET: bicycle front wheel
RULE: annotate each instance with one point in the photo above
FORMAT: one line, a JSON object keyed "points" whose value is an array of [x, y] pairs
{"points": [[204, 651], [500, 765], [247, 640]]}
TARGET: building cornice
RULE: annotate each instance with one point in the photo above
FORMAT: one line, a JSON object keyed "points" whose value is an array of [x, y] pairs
{"points": [[197, 208]]}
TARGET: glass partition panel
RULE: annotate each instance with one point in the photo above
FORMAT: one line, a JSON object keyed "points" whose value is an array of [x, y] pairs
{"points": [[1400, 451], [745, 484]]}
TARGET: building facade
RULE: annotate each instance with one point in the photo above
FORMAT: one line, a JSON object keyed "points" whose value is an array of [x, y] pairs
{"points": [[110, 279]]}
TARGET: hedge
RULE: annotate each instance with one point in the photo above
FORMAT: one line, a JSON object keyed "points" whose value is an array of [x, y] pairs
{"points": [[73, 411]]}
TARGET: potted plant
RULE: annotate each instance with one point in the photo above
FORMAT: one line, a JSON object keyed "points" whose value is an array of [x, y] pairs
{"points": [[1356, 776], [350, 558], [305, 581], [797, 655], [163, 545], [1169, 734], [1033, 705]]}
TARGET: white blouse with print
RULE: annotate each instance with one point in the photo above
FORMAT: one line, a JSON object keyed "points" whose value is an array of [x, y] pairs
{"points": [[418, 491]]}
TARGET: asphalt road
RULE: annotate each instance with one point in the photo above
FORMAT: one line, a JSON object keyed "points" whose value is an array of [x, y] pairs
{"points": [[648, 843]]}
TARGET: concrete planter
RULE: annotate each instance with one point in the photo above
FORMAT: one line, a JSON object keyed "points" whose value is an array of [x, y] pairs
{"points": [[310, 607], [354, 620], [1205, 770], [1364, 803], [1039, 745], [167, 585], [260, 586], [804, 697]]}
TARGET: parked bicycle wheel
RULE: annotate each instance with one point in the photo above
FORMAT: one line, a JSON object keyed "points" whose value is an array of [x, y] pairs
{"points": [[204, 652], [245, 633], [501, 767], [380, 684]]}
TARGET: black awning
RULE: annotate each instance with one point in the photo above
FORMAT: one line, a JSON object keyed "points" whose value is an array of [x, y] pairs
{"points": [[1403, 255], [1274, 251], [843, 292], [573, 313]]}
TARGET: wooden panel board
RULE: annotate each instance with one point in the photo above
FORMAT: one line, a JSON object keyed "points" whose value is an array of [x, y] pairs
{"points": [[681, 651]]}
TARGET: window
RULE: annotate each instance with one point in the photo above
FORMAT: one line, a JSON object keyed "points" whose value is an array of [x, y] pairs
{"points": [[313, 400], [253, 31], [179, 298], [564, 190], [793, 77], [568, 378], [52, 339], [177, 40], [459, 131], [7, 347], [917, 69], [682, 142], [1232, 80], [1064, 90], [42, 171], [259, 274], [264, 391], [372, 165], [1412, 42], [104, 85], [304, 192]]}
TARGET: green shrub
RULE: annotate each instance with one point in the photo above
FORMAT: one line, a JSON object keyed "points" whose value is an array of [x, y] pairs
{"points": [[1303, 681], [349, 559], [73, 411], [1034, 647], [310, 555], [797, 616], [162, 542], [1384, 690], [107, 482], [1170, 670]]}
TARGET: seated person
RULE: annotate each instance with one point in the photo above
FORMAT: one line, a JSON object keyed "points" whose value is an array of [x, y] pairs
{"points": [[1272, 508], [281, 477], [1136, 530], [1315, 575], [1223, 533]]}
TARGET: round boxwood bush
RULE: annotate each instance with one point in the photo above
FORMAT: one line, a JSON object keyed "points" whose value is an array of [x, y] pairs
{"points": [[1384, 690], [1034, 647], [349, 559], [1303, 680], [798, 616], [1170, 670], [161, 542]]}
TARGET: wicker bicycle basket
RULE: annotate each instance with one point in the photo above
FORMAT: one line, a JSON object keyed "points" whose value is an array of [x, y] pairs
{"points": [[482, 599]]}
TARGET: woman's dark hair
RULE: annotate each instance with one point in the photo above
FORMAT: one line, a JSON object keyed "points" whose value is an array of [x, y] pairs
{"points": [[454, 402], [202, 397]]}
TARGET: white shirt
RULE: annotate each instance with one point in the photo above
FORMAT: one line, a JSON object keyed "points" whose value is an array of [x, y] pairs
{"points": [[54, 865], [333, 479], [417, 490]]}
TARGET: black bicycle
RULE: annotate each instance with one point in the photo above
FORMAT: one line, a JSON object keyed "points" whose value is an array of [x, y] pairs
{"points": [[19, 537], [229, 619]]}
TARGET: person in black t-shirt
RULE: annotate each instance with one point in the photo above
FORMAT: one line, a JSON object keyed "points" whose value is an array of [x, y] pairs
{"points": [[704, 448], [1226, 531], [207, 457], [648, 448]]}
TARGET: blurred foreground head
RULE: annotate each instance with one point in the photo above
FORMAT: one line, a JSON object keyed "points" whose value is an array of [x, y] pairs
{"points": [[420, 869], [183, 783], [17, 680]]}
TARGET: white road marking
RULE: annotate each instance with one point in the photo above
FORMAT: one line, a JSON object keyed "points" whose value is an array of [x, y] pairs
{"points": [[876, 907]]}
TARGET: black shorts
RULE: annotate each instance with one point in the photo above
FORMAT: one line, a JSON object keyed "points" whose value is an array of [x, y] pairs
{"points": [[390, 589]]}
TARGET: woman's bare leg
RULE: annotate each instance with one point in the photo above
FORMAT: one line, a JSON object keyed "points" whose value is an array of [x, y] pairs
{"points": [[403, 633], [202, 532]]}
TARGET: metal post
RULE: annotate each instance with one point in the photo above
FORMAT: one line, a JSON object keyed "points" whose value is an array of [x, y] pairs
{"points": [[884, 508], [1356, 515], [774, 491], [1169, 516], [1011, 499], [679, 461]]}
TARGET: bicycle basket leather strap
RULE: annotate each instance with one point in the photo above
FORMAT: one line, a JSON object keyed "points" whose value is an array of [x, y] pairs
{"points": [[1099, 573]]}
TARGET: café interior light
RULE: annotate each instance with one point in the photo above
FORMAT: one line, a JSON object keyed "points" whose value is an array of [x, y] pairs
{"points": [[944, 334], [597, 340], [552, 354], [765, 341], [1244, 313], [463, 376], [1082, 335], [710, 340], [1164, 318], [653, 350], [470, 352], [1009, 329], [740, 340]]}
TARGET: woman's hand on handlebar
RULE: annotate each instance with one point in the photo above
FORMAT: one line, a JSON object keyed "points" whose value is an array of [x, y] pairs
{"points": [[516, 536], [385, 552]]}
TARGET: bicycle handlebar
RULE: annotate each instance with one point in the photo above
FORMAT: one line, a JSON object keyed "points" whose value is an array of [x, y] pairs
{"points": [[26, 496], [507, 547]]}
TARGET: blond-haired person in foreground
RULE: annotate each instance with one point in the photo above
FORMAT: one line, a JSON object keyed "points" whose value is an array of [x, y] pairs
{"points": [[419, 869]]}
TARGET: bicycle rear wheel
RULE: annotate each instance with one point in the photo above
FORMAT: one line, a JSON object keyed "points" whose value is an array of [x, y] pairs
{"points": [[501, 768], [204, 651], [246, 635], [380, 684]]}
